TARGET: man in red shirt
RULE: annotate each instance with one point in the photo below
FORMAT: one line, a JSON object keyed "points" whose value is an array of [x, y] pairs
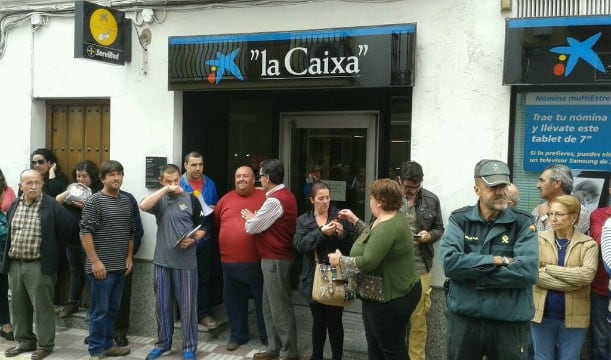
{"points": [[599, 298], [239, 257]]}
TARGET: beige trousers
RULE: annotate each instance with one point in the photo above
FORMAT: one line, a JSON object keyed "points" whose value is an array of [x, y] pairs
{"points": [[417, 323]]}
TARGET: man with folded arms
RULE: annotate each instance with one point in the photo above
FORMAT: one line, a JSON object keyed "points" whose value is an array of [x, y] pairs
{"points": [[490, 255]]}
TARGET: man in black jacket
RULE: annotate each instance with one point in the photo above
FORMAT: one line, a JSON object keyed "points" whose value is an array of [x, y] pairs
{"points": [[37, 224], [423, 212]]}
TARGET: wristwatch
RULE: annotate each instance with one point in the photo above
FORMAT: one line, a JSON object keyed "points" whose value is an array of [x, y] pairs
{"points": [[505, 261]]}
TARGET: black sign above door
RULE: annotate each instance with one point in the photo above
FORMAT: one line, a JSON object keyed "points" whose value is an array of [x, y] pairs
{"points": [[558, 51], [101, 33], [381, 56]]}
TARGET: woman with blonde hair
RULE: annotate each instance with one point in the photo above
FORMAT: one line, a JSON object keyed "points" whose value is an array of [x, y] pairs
{"points": [[567, 263]]}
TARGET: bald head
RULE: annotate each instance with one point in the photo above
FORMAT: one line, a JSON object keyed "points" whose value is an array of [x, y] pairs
{"points": [[244, 180], [30, 183], [513, 195]]}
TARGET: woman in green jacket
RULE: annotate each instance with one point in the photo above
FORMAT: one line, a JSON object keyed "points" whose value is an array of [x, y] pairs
{"points": [[381, 268]]}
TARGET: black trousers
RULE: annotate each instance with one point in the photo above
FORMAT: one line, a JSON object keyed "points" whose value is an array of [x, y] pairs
{"points": [[470, 338], [386, 325], [122, 321], [327, 319]]}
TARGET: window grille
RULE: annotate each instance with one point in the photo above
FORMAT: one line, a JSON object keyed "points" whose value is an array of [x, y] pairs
{"points": [[548, 8]]}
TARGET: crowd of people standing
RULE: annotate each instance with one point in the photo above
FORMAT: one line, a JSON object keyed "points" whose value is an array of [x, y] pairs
{"points": [[520, 285]]}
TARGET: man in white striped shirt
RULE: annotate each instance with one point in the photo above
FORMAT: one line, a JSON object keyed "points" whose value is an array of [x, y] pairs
{"points": [[273, 227]]}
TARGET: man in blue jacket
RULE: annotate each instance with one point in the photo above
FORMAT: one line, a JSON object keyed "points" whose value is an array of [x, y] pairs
{"points": [[489, 253], [195, 182]]}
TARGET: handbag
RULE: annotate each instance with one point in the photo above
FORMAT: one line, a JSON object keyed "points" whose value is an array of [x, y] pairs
{"points": [[330, 288], [370, 287]]}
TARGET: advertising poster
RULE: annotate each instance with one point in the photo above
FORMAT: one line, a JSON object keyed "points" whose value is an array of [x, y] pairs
{"points": [[571, 129]]}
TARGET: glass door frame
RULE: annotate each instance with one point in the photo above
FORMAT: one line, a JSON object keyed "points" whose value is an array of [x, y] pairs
{"points": [[368, 120]]}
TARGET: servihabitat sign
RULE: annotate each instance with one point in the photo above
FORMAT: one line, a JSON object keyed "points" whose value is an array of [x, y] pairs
{"points": [[568, 128], [381, 56], [558, 51], [101, 33]]}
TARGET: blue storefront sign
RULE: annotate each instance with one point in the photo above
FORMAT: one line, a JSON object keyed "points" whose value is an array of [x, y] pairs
{"points": [[558, 51], [572, 128]]}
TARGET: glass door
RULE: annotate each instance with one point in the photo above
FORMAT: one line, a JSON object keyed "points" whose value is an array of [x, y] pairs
{"points": [[338, 148]]}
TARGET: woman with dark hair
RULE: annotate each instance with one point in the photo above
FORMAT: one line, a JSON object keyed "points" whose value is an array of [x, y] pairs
{"points": [[319, 233], [85, 173], [7, 196], [568, 261], [383, 270], [45, 162]]}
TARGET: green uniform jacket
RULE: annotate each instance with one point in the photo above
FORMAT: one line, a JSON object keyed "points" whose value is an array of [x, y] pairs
{"points": [[477, 287]]}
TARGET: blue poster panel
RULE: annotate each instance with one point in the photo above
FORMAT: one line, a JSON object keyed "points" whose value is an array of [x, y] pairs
{"points": [[572, 129]]}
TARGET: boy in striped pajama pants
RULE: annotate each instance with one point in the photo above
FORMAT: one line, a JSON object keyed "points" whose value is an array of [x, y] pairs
{"points": [[177, 213]]}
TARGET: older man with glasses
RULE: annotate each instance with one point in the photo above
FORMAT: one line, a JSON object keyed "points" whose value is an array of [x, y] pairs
{"points": [[273, 227], [554, 181], [423, 212], [37, 229]]}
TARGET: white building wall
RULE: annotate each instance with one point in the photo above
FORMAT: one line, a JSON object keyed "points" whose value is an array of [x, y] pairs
{"points": [[460, 109]]}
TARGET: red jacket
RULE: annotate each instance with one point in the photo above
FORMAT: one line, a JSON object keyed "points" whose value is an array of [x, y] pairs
{"points": [[601, 279]]}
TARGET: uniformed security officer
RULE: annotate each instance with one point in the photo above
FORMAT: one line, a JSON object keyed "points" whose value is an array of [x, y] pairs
{"points": [[489, 254]]}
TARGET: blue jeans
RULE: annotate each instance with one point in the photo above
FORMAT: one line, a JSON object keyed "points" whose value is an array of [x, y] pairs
{"points": [[553, 341], [105, 299], [601, 329]]}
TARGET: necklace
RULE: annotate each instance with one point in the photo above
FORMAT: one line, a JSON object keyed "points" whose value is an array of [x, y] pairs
{"points": [[560, 247]]}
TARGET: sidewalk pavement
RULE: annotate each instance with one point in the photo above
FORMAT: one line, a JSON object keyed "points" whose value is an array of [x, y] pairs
{"points": [[211, 346]]}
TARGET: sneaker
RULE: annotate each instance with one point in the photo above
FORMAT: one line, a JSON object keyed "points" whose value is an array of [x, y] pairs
{"points": [[232, 345], [97, 357], [117, 351], [69, 309], [208, 322], [156, 353], [188, 355]]}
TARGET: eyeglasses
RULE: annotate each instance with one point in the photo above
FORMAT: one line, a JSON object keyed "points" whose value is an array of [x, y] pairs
{"points": [[411, 187], [38, 162], [558, 215]]}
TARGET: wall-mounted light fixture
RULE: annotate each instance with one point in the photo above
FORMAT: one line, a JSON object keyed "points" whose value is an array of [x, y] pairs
{"points": [[147, 15]]}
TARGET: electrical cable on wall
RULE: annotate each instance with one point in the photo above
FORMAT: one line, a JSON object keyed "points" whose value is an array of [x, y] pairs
{"points": [[18, 11]]}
